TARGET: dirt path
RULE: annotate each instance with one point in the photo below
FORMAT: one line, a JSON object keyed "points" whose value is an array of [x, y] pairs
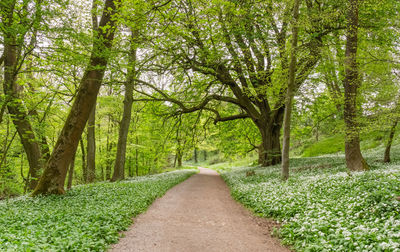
{"points": [[198, 215]]}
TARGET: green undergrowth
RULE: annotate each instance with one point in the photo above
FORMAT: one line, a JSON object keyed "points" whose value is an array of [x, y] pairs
{"points": [[324, 208], [86, 218]]}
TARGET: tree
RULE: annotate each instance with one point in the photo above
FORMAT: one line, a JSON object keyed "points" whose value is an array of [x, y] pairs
{"points": [[290, 93], [91, 146], [18, 24], [386, 157], [53, 178], [91, 125], [231, 58], [119, 167], [354, 158]]}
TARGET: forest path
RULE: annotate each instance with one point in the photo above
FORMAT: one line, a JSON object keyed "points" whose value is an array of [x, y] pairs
{"points": [[198, 215]]}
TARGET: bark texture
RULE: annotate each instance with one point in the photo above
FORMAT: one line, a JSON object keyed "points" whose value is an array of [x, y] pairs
{"points": [[52, 180], [269, 151], [354, 158], [71, 173], [119, 166]]}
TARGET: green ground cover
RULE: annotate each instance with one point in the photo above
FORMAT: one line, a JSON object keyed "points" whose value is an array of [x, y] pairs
{"points": [[322, 207], [86, 218]]}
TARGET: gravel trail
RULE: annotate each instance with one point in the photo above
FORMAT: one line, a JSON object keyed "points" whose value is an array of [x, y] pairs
{"points": [[198, 215]]}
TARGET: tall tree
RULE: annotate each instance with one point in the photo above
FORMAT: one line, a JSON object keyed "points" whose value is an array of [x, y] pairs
{"points": [[240, 54], [91, 125], [290, 93], [354, 158], [119, 166], [53, 178], [15, 51]]}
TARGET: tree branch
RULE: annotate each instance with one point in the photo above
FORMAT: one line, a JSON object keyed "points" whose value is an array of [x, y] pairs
{"points": [[2, 59], [230, 118]]}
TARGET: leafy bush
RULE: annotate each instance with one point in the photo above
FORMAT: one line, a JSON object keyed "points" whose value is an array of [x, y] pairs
{"points": [[323, 208], [86, 218]]}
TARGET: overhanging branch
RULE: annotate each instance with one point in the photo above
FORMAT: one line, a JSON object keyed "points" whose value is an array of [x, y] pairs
{"points": [[185, 109]]}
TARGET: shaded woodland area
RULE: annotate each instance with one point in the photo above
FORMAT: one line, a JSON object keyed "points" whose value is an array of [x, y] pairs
{"points": [[102, 90]]}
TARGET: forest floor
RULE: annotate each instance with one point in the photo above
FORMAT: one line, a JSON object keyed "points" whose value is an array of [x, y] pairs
{"points": [[199, 215]]}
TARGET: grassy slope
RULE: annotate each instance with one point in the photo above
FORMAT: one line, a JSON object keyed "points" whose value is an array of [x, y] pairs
{"points": [[323, 208], [87, 218], [335, 143]]}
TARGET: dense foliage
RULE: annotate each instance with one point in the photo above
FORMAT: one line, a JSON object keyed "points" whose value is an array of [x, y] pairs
{"points": [[86, 218], [322, 207]]}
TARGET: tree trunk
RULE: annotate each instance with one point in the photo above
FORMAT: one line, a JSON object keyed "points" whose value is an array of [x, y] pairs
{"points": [[91, 146], [179, 158], [6, 147], [205, 155], [119, 166], [71, 172], [130, 170], [108, 149], [52, 180], [137, 156], [195, 156], [84, 167], [17, 109], [290, 94], [109, 161], [269, 151], [386, 158], [354, 158]]}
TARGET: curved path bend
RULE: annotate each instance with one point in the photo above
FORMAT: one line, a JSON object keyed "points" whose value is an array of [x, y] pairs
{"points": [[198, 215]]}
